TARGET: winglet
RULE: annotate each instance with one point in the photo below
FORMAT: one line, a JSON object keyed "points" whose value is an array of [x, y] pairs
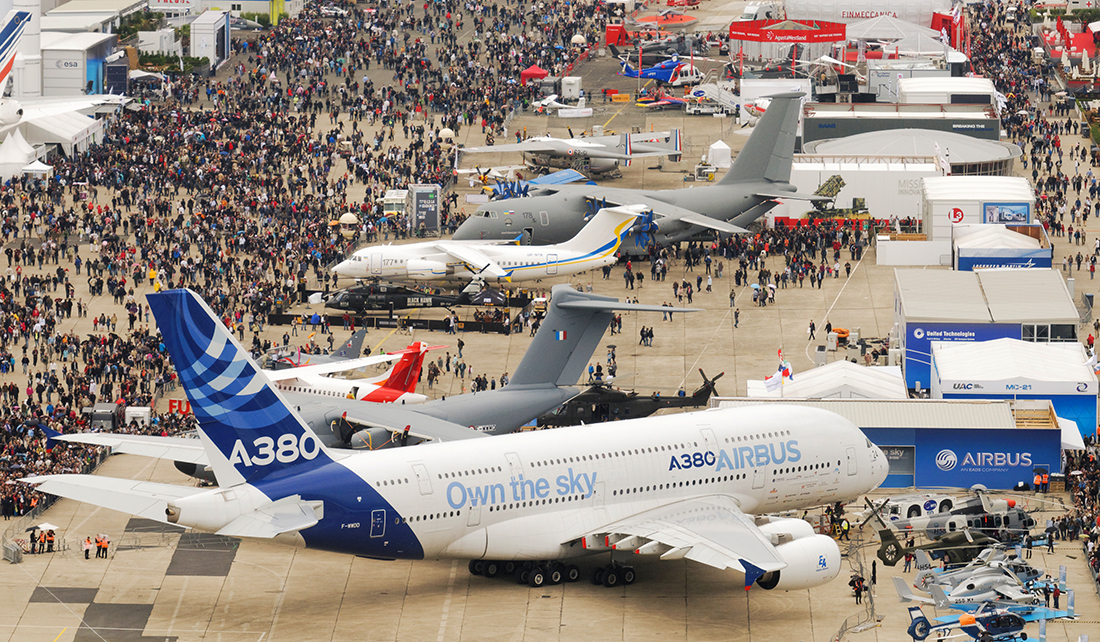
{"points": [[939, 597], [752, 573]]}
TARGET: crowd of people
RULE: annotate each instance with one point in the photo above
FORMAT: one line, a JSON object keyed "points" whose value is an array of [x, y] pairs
{"points": [[225, 184]]}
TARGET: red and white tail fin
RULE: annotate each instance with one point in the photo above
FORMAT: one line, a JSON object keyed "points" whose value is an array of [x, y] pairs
{"points": [[405, 374], [14, 25]]}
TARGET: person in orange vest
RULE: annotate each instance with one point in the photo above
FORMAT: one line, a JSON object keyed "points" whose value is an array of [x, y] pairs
{"points": [[1038, 483], [87, 546], [1046, 482], [98, 547], [49, 541], [42, 542], [105, 543]]}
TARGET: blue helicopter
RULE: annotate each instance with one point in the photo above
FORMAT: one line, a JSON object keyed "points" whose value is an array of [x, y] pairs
{"points": [[673, 71]]}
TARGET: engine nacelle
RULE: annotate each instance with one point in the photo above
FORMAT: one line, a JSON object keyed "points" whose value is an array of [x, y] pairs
{"points": [[421, 269], [11, 111], [371, 439], [211, 511], [811, 561]]}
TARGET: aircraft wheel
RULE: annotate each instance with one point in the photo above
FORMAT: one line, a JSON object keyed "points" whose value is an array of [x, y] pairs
{"points": [[477, 567], [491, 569], [538, 577], [628, 575], [946, 507], [920, 630], [597, 575], [572, 573], [522, 575], [914, 511], [554, 574], [611, 577], [510, 567]]}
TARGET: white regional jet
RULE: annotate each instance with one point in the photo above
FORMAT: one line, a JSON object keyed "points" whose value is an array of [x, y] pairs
{"points": [[683, 486], [593, 247]]}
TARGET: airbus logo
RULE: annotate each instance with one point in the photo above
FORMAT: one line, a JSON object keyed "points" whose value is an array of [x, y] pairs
{"points": [[918, 333], [946, 460]]}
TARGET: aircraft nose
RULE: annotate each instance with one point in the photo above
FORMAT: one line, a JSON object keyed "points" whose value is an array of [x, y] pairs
{"points": [[341, 267], [880, 467]]}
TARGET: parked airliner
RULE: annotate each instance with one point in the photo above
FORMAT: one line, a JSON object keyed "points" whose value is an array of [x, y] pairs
{"points": [[397, 385], [684, 486]]}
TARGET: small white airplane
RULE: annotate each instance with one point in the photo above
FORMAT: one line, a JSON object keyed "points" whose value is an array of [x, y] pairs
{"points": [[564, 111], [594, 246], [694, 486]]}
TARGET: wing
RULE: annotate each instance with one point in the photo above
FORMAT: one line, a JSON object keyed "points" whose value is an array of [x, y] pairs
{"points": [[174, 448], [427, 427], [286, 515], [794, 196], [340, 365], [142, 499], [526, 146], [475, 258], [709, 530]]}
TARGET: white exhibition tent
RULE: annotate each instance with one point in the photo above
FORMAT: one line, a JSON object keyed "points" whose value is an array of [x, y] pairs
{"points": [[887, 28], [15, 154], [719, 155], [837, 380], [992, 235], [38, 168], [919, 45]]}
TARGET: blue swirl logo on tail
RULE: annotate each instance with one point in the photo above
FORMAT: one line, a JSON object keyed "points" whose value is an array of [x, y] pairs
{"points": [[238, 409]]}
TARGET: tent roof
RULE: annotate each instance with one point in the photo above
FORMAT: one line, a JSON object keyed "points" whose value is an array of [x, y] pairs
{"points": [[992, 235], [840, 379], [902, 413], [1027, 296], [919, 44], [535, 69], [37, 166], [886, 28], [995, 295], [11, 152], [1003, 359], [939, 295]]}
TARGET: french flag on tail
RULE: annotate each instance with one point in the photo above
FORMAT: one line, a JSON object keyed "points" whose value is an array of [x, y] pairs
{"points": [[559, 335], [14, 25]]}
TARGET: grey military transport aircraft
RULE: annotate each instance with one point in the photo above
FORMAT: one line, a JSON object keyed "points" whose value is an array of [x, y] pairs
{"points": [[760, 174], [546, 377]]}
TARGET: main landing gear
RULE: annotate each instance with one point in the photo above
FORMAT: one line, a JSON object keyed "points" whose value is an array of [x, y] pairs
{"points": [[614, 574], [534, 574]]}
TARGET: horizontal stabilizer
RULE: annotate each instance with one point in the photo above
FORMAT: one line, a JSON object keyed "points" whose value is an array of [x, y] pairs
{"points": [[174, 448], [429, 429], [341, 365], [138, 498], [795, 196], [613, 306], [289, 514]]}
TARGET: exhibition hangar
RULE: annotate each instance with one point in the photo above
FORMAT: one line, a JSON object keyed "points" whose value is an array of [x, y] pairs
{"points": [[1014, 369], [950, 443], [1032, 305]]}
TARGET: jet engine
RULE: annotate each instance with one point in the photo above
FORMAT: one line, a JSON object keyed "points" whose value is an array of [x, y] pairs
{"points": [[812, 559], [10, 111], [421, 269]]}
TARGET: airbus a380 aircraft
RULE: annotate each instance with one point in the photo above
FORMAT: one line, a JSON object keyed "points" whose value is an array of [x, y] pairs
{"points": [[677, 487]]}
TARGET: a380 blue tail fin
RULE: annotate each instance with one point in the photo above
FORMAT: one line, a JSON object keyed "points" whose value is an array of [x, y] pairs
{"points": [[248, 429]]}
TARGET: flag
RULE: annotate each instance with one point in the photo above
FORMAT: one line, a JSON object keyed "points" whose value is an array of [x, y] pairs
{"points": [[786, 371], [956, 15], [559, 335], [772, 383]]}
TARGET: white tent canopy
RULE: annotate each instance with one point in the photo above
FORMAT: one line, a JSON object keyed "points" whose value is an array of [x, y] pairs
{"points": [[887, 28], [992, 235], [15, 154], [719, 155], [1071, 434], [919, 45], [838, 380], [38, 167]]}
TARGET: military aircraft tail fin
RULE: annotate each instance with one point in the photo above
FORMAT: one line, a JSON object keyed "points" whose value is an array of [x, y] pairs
{"points": [[353, 347], [575, 324], [768, 153]]}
